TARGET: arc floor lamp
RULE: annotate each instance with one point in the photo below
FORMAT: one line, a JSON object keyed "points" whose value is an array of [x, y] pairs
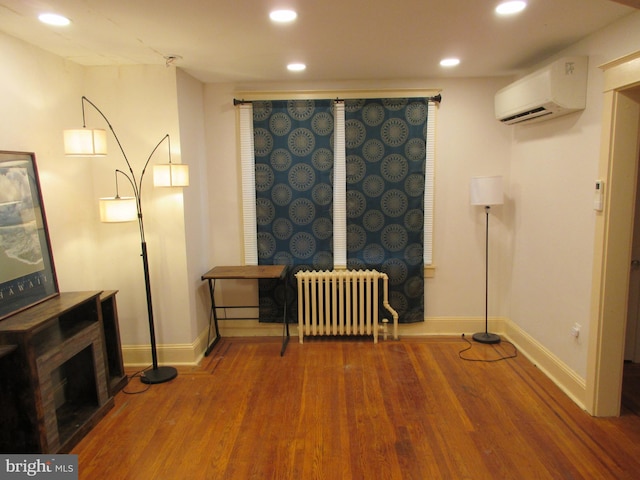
{"points": [[486, 191], [86, 142]]}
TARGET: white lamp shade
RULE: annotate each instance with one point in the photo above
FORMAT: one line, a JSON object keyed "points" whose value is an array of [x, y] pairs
{"points": [[171, 175], [486, 191], [118, 209], [85, 142]]}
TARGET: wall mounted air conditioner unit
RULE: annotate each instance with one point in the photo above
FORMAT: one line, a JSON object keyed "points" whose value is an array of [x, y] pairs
{"points": [[555, 90]]}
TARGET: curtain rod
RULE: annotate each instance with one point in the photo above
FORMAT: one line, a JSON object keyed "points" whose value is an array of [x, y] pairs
{"points": [[437, 99]]}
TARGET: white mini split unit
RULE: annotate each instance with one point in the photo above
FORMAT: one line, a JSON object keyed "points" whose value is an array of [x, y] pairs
{"points": [[555, 90]]}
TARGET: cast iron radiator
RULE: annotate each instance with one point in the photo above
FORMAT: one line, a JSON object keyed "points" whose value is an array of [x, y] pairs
{"points": [[343, 302]]}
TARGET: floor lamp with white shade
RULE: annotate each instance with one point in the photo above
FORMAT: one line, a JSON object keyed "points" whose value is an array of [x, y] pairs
{"points": [[486, 191]]}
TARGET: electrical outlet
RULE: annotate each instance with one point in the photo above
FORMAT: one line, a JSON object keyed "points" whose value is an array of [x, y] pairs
{"points": [[575, 330]]}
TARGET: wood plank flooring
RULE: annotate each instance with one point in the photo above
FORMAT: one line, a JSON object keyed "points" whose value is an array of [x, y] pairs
{"points": [[336, 409]]}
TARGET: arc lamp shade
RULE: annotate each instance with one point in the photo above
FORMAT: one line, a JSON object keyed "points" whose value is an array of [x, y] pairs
{"points": [[85, 142], [118, 209], [171, 175]]}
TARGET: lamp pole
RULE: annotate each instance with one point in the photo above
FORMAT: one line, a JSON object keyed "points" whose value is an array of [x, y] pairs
{"points": [[486, 337]]}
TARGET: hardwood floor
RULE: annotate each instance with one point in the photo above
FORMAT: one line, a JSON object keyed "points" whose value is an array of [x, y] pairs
{"points": [[335, 409]]}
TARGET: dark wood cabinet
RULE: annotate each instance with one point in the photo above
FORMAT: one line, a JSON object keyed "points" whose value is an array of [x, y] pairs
{"points": [[54, 375], [115, 367]]}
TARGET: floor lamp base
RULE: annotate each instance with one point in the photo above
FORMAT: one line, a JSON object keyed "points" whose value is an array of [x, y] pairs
{"points": [[484, 337], [159, 375]]}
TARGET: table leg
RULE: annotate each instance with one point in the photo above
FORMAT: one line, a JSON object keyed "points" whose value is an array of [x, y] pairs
{"points": [[215, 319], [285, 327]]}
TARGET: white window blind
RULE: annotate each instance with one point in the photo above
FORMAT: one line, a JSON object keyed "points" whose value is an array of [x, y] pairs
{"points": [[429, 174], [339, 190], [247, 161]]}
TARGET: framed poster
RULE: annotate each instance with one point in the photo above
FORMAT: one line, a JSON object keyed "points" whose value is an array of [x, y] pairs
{"points": [[27, 273]]}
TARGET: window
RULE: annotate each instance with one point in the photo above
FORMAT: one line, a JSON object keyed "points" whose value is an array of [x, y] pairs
{"points": [[340, 184]]}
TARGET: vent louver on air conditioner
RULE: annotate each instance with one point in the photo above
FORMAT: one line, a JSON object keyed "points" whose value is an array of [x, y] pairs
{"points": [[555, 90]]}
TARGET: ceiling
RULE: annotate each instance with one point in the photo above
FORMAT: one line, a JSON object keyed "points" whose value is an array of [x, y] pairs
{"points": [[234, 40]]}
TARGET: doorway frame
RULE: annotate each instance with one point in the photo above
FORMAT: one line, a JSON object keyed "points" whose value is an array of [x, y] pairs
{"points": [[613, 235]]}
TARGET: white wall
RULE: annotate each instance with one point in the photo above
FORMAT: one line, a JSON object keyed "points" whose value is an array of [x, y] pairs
{"points": [[553, 171], [41, 96], [225, 201], [197, 208], [470, 142], [223, 176]]}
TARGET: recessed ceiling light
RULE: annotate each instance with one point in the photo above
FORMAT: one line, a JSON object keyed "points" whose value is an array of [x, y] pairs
{"points": [[449, 62], [296, 67], [511, 7], [54, 19], [283, 16]]}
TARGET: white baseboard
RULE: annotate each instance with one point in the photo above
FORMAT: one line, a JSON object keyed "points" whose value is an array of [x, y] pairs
{"points": [[191, 354], [564, 377], [252, 328], [177, 354]]}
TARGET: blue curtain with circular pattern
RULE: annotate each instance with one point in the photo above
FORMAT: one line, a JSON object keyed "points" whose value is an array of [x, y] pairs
{"points": [[385, 154], [293, 143]]}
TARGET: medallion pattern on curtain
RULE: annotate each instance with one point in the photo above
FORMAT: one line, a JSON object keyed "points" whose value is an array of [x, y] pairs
{"points": [[293, 143], [385, 165]]}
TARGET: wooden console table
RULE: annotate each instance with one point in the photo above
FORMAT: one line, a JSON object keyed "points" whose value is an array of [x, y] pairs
{"points": [[244, 272]]}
